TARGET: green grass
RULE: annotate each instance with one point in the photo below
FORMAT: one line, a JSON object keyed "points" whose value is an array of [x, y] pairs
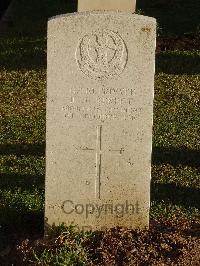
{"points": [[176, 142], [67, 247]]}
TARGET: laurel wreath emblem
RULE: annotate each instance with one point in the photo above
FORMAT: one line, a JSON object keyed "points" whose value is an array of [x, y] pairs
{"points": [[102, 54]]}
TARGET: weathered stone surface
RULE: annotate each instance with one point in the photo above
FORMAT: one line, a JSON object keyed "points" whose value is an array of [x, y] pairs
{"points": [[99, 119], [114, 5]]}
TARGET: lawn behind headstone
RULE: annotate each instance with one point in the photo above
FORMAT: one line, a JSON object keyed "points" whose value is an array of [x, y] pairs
{"points": [[176, 142]]}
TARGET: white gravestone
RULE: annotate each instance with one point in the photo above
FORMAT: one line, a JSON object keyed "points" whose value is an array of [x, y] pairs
{"points": [[99, 119], [114, 5]]}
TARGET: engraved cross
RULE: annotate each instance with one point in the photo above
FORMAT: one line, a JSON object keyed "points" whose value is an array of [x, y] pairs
{"points": [[99, 153]]}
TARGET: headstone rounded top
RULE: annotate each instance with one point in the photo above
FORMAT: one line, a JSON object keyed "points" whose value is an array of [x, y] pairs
{"points": [[104, 13]]}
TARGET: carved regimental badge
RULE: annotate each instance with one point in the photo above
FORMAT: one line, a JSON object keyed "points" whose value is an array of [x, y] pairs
{"points": [[102, 54]]}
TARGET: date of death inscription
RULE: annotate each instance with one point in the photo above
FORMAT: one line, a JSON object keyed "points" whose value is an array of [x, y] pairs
{"points": [[101, 104]]}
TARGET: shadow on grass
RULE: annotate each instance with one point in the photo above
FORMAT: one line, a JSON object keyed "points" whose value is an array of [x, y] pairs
{"points": [[24, 182], [187, 197], [173, 16], [19, 213], [176, 157], [23, 149], [30, 19], [19, 217], [30, 53], [3, 6], [17, 221], [160, 155], [23, 53], [16, 225], [178, 62]]}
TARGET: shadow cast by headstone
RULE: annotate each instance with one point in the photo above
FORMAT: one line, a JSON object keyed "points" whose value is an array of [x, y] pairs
{"points": [[175, 156], [23, 182], [25, 19], [184, 196], [178, 63], [23, 44], [24, 47], [160, 155], [3, 6], [23, 53], [17, 220], [30, 53], [173, 16], [17, 224], [23, 149]]}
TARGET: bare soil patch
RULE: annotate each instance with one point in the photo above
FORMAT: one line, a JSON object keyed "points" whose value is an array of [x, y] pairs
{"points": [[167, 242]]}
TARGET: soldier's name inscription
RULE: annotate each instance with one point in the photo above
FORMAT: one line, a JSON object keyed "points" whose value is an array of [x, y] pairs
{"points": [[101, 104]]}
